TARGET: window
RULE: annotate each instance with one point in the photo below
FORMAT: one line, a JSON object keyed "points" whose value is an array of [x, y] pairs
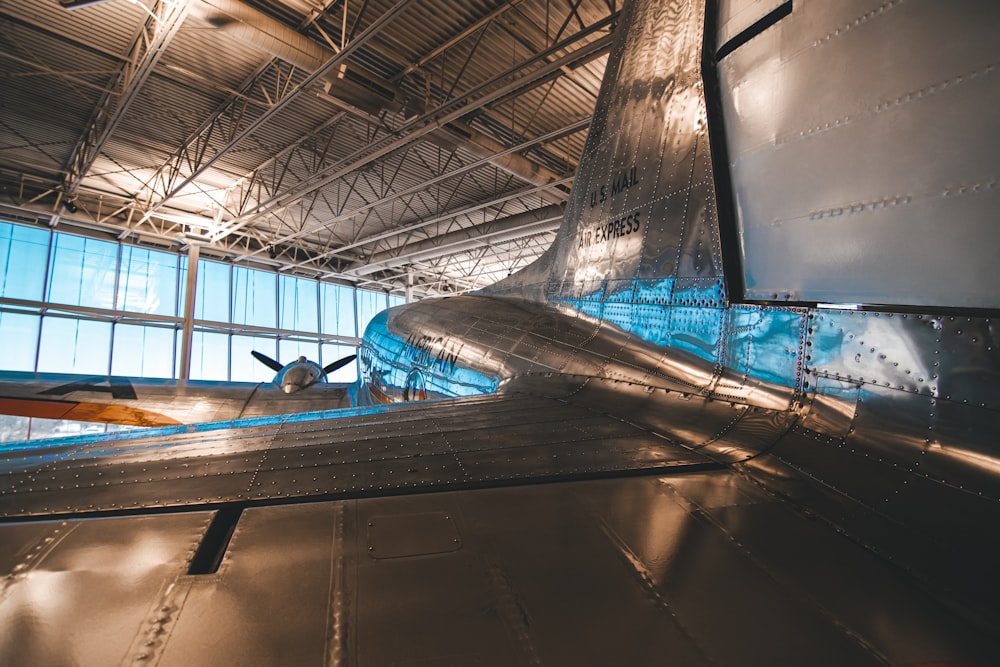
{"points": [[147, 281], [244, 368], [298, 304], [338, 309], [209, 356], [331, 353], [212, 292], [143, 351], [82, 271], [19, 333], [23, 256], [74, 346], [86, 273], [253, 297], [370, 304], [290, 350]]}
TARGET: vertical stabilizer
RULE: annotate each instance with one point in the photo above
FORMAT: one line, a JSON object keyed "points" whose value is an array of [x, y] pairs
{"points": [[641, 225]]}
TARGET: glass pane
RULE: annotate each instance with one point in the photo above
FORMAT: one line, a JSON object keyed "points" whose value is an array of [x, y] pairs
{"points": [[19, 333], [396, 300], [338, 309], [182, 287], [244, 367], [298, 303], [82, 271], [370, 304], [290, 350], [254, 297], [23, 253], [13, 429], [147, 281], [212, 292], [143, 351], [209, 356], [74, 346], [332, 353]]}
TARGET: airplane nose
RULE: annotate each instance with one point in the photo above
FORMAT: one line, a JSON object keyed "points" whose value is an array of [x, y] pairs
{"points": [[296, 378]]}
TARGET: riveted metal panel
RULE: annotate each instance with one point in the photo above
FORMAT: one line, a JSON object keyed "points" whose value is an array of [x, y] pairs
{"points": [[763, 529], [280, 595], [668, 568], [406, 535], [821, 111], [735, 16], [92, 592], [832, 406], [476, 440], [698, 568]]}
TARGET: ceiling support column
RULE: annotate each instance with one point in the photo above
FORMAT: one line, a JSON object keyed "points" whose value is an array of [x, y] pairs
{"points": [[194, 250]]}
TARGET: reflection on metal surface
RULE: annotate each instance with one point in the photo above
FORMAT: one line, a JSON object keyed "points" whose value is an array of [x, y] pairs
{"points": [[839, 489], [706, 569]]}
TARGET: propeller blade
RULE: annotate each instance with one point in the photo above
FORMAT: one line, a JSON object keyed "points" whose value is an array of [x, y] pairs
{"points": [[339, 363], [267, 361]]}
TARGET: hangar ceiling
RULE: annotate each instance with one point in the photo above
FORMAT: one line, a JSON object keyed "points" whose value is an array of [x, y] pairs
{"points": [[423, 142]]}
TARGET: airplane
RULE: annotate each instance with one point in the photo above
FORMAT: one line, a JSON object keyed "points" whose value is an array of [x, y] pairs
{"points": [[729, 418], [161, 402], [300, 373]]}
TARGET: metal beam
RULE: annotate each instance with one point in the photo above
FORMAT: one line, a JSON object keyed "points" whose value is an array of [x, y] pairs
{"points": [[150, 43], [503, 230], [418, 127], [572, 127], [280, 104]]}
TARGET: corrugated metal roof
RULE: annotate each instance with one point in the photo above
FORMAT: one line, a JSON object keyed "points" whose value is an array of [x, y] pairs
{"points": [[321, 177]]}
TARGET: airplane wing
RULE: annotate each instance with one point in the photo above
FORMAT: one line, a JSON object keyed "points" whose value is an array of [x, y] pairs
{"points": [[153, 402], [471, 441], [556, 533]]}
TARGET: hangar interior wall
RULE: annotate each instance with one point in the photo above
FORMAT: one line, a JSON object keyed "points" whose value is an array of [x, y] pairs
{"points": [[75, 304]]}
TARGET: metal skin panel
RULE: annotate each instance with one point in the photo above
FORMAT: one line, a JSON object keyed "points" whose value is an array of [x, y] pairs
{"points": [[477, 441], [86, 592], [845, 483], [883, 153], [736, 16], [275, 598], [704, 569]]}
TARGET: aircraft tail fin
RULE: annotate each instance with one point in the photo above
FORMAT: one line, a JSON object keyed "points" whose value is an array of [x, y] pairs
{"points": [[641, 226]]}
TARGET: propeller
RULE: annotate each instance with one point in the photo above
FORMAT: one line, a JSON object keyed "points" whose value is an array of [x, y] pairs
{"points": [[276, 367], [267, 361], [339, 363]]}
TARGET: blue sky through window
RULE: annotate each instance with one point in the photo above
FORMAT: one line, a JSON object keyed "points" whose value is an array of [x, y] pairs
{"points": [[81, 273]]}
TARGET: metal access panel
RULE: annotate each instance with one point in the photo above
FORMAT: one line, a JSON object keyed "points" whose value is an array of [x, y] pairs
{"points": [[405, 535], [862, 144]]}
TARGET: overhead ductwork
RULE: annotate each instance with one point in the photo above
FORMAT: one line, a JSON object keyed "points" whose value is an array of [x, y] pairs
{"points": [[504, 230], [356, 88]]}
